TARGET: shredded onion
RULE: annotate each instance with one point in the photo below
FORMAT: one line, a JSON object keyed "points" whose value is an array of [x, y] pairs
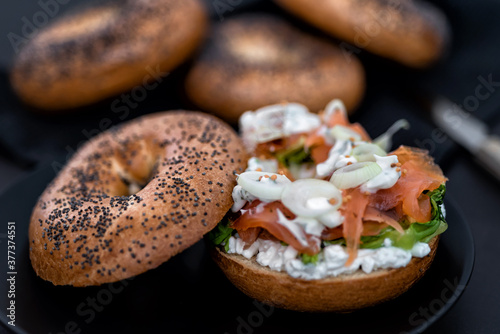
{"points": [[276, 121], [262, 187], [354, 175], [311, 197], [385, 139], [333, 107], [341, 132], [366, 151]]}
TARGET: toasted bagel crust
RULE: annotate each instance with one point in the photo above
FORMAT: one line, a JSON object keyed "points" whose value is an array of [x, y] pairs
{"points": [[255, 60], [414, 33], [344, 293], [90, 226], [106, 50]]}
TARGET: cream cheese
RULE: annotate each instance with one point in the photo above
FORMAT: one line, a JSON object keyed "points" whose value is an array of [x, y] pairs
{"points": [[331, 219], [269, 253], [443, 210], [293, 227], [310, 225], [276, 121], [336, 155], [331, 261], [318, 203], [387, 178], [240, 198], [339, 156]]}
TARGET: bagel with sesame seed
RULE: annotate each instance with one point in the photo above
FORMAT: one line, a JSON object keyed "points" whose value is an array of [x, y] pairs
{"points": [[105, 50], [259, 59], [133, 197]]}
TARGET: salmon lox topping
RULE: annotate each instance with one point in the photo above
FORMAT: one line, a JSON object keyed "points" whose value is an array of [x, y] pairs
{"points": [[324, 182]]}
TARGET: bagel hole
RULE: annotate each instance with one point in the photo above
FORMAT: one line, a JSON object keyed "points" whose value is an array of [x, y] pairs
{"points": [[92, 20], [133, 187], [262, 49], [133, 184]]}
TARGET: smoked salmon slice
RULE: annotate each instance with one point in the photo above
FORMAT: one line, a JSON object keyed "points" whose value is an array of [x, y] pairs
{"points": [[353, 208], [265, 215], [419, 174]]}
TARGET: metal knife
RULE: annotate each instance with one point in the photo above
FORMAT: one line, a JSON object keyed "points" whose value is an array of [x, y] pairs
{"points": [[469, 132]]}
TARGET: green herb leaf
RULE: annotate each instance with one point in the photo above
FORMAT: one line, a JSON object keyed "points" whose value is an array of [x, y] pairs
{"points": [[306, 259], [221, 234], [296, 154]]}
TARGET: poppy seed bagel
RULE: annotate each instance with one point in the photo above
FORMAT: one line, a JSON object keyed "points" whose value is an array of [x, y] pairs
{"points": [[343, 293], [133, 197], [102, 51], [258, 59], [414, 33]]}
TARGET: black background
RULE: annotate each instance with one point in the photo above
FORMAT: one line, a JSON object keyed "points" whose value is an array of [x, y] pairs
{"points": [[28, 141]]}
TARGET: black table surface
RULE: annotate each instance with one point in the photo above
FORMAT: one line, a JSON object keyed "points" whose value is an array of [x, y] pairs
{"points": [[28, 141]]}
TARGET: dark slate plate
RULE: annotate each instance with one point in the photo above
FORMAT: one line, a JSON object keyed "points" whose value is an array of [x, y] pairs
{"points": [[189, 294]]}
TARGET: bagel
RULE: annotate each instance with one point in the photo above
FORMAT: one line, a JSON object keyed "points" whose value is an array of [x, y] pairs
{"points": [[106, 50], [258, 59], [414, 33], [133, 197], [324, 218], [343, 293]]}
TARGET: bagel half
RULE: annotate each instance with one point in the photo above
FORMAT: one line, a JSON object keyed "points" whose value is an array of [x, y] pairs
{"points": [[257, 59], [106, 50], [414, 33], [133, 197], [344, 293]]}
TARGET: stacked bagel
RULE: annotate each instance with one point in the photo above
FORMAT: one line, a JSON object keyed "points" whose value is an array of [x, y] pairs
{"points": [[248, 61], [105, 50], [412, 32], [256, 59]]}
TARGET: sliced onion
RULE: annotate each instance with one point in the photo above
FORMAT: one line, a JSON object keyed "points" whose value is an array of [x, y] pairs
{"points": [[344, 133], [262, 187], [276, 121], [385, 139], [354, 175], [366, 151], [311, 197], [333, 107], [265, 165]]}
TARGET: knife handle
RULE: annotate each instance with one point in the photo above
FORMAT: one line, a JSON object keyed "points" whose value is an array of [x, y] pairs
{"points": [[489, 155]]}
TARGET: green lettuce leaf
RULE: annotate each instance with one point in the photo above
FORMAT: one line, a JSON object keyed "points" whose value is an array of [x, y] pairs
{"points": [[221, 234], [438, 219], [414, 233], [296, 154], [340, 242]]}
